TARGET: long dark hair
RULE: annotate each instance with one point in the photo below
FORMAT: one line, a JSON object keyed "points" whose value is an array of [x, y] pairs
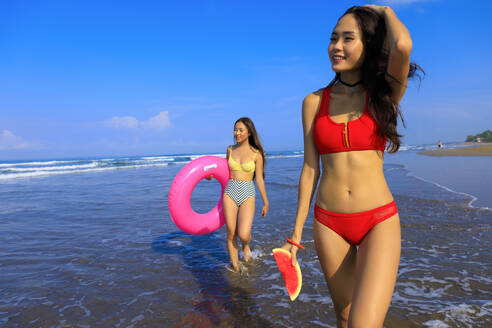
{"points": [[374, 74], [253, 139]]}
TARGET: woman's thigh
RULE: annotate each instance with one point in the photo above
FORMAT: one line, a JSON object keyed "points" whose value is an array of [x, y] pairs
{"points": [[337, 258], [245, 217], [230, 212], [376, 270]]}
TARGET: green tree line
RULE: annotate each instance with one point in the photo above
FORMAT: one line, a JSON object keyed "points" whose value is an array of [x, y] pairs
{"points": [[485, 135]]}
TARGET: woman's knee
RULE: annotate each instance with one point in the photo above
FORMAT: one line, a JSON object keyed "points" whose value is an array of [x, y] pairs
{"points": [[244, 236], [364, 321], [342, 316], [231, 235]]}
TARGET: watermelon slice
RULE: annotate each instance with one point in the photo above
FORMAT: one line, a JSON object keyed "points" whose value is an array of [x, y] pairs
{"points": [[292, 274]]}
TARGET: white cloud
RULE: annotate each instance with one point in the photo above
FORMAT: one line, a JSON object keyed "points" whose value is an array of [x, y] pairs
{"points": [[10, 141], [125, 122], [159, 122]]}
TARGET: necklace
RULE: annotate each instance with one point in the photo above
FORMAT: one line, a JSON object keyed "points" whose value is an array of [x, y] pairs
{"points": [[351, 86]]}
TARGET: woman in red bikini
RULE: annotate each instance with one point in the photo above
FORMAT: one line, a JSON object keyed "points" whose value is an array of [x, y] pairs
{"points": [[348, 125]]}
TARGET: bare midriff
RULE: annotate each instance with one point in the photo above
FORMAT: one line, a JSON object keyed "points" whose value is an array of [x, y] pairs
{"points": [[352, 182], [241, 176]]}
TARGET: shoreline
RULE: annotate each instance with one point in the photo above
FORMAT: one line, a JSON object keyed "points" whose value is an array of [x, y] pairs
{"points": [[461, 174], [473, 149]]}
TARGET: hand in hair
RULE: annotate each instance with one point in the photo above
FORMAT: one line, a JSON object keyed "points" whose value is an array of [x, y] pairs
{"points": [[379, 9]]}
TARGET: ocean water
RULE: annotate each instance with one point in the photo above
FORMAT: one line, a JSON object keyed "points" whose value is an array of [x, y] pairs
{"points": [[90, 243]]}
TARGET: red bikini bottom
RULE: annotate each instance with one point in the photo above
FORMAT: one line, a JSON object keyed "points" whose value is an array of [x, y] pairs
{"points": [[353, 227]]}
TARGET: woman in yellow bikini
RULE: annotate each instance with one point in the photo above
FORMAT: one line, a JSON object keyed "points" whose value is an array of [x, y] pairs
{"points": [[239, 196]]}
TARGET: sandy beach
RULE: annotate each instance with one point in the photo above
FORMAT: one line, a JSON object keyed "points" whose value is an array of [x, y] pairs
{"points": [[475, 149]]}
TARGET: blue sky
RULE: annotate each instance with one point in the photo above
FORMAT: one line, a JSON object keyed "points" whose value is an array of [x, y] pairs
{"points": [[102, 78]]}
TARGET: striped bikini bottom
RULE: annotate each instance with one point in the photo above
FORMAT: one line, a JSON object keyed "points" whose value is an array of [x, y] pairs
{"points": [[239, 191]]}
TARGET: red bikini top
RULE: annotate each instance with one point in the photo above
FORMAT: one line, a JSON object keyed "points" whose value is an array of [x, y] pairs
{"points": [[331, 137]]}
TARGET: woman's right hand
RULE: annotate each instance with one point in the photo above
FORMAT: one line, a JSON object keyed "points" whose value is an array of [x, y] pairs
{"points": [[293, 251]]}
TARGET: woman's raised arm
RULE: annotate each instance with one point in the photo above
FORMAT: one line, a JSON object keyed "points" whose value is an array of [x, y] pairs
{"points": [[400, 46]]}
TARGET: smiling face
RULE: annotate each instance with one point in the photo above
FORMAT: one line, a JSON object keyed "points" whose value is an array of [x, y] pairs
{"points": [[241, 132], [346, 48]]}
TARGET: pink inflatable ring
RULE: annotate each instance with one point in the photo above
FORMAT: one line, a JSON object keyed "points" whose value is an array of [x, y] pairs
{"points": [[180, 195]]}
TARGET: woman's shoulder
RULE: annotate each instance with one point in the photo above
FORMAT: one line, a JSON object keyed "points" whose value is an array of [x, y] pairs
{"points": [[312, 100], [253, 149], [256, 152]]}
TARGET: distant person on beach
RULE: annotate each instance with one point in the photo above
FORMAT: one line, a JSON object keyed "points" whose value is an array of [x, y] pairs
{"points": [[347, 126], [439, 144], [246, 162]]}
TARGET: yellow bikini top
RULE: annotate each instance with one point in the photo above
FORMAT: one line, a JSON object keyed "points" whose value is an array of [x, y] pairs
{"points": [[246, 167]]}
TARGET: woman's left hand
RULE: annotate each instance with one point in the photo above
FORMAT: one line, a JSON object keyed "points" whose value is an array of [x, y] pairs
{"points": [[264, 210], [379, 9]]}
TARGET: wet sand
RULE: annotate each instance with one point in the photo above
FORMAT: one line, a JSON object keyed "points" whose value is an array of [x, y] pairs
{"points": [[475, 149]]}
